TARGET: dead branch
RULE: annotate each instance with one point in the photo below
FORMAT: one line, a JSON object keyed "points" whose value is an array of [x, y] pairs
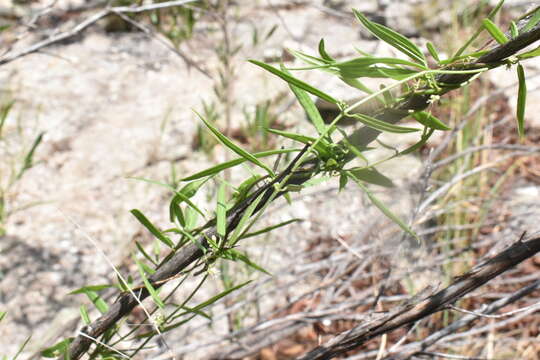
{"points": [[408, 314]]}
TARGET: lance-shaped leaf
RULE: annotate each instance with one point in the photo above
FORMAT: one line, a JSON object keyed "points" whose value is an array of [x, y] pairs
{"points": [[153, 292], [381, 125], [350, 70], [522, 97], [296, 82], [179, 194], [372, 176], [529, 54], [375, 201], [231, 163], [309, 107], [235, 148], [235, 255], [433, 52], [221, 212], [321, 147], [60, 348], [269, 228], [392, 38], [494, 31], [148, 225], [310, 59], [371, 60], [430, 121], [323, 53]]}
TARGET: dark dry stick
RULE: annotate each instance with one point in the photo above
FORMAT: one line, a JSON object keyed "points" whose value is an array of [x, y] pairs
{"points": [[411, 313]]}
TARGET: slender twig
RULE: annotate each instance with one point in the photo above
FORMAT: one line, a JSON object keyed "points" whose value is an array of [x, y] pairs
{"points": [[413, 348]]}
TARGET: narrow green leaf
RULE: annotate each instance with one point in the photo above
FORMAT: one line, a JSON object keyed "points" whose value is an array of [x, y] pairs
{"points": [[179, 194], [175, 212], [84, 289], [124, 284], [2, 315], [433, 52], [144, 253], [372, 176], [213, 244], [314, 181], [296, 82], [150, 227], [343, 180], [229, 164], [190, 189], [242, 191], [368, 61], [494, 31], [198, 308], [58, 349], [4, 112], [29, 158], [322, 51], [269, 228], [309, 107], [392, 38], [522, 97], [84, 314], [352, 71], [309, 59], [514, 31], [535, 18], [190, 310], [239, 229], [21, 348], [221, 212], [271, 32], [529, 54], [321, 147], [192, 217], [474, 55], [356, 84], [362, 52], [419, 144], [430, 121], [219, 296], [381, 125], [99, 303], [153, 292], [238, 256], [147, 268], [375, 201], [235, 148]]}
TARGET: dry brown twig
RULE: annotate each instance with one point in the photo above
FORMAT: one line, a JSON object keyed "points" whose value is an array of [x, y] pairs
{"points": [[411, 313]]}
